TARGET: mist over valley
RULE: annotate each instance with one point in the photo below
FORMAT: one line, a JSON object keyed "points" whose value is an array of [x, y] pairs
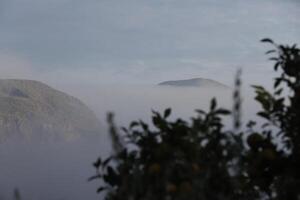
{"points": [[34, 165]]}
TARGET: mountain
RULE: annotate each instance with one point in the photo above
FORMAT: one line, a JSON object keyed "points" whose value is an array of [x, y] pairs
{"points": [[33, 109], [195, 82]]}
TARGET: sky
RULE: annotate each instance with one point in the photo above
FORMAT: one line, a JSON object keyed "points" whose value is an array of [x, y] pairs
{"points": [[142, 41]]}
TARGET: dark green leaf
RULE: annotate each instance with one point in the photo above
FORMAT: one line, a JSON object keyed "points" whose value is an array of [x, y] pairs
{"points": [[277, 82], [223, 112], [133, 124], [94, 177], [213, 104], [267, 40], [270, 51], [263, 115], [99, 190], [97, 163], [167, 113]]}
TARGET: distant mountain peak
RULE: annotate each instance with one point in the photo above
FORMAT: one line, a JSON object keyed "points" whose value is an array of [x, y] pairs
{"points": [[195, 82]]}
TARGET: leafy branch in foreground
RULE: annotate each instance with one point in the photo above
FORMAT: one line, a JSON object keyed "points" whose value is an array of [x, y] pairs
{"points": [[200, 159]]}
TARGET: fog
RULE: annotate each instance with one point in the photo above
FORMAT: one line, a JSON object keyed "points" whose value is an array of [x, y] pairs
{"points": [[60, 169], [111, 54], [49, 170]]}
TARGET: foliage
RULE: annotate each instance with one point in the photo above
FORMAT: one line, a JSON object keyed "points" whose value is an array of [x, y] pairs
{"points": [[273, 160], [200, 159]]}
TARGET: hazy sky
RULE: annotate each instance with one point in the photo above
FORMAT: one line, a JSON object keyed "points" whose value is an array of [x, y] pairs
{"points": [[141, 41], [70, 43]]}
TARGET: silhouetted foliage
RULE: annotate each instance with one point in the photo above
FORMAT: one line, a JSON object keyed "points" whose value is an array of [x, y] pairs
{"points": [[273, 160], [200, 159]]}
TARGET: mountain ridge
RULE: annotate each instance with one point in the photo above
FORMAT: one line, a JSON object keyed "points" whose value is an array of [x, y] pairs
{"points": [[30, 108], [194, 82]]}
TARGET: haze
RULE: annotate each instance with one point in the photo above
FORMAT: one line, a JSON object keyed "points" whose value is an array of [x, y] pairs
{"points": [[111, 54]]}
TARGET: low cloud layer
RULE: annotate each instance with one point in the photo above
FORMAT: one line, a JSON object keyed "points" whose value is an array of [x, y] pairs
{"points": [[60, 169]]}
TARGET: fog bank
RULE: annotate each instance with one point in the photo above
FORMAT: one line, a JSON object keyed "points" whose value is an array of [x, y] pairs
{"points": [[60, 169]]}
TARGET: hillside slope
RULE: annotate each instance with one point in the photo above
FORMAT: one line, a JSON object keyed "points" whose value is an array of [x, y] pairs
{"points": [[33, 109]]}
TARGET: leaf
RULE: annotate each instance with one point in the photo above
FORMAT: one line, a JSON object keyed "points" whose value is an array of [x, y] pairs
{"points": [[271, 51], [265, 125], [258, 87], [278, 92], [133, 124], [125, 130], [263, 115], [156, 121], [100, 189], [277, 82], [276, 65], [94, 177], [267, 40], [223, 111], [144, 125], [274, 58], [105, 162], [111, 176], [97, 163], [251, 124], [201, 112], [110, 171], [155, 113], [213, 104], [167, 113]]}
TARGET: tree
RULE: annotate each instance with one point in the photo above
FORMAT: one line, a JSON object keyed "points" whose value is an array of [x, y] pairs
{"points": [[200, 159], [272, 166]]}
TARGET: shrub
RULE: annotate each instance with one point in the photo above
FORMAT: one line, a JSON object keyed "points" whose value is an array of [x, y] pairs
{"points": [[200, 159]]}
